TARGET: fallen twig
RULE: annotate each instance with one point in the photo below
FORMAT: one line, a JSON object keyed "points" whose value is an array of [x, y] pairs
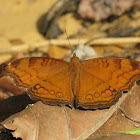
{"points": [[58, 42]]}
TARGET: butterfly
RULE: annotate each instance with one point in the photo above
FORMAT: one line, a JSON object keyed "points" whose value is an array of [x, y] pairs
{"points": [[92, 84]]}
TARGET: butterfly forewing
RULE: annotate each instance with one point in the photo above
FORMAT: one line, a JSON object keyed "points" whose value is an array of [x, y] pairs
{"points": [[46, 79]]}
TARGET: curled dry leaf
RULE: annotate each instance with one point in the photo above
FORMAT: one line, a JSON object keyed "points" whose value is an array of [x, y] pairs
{"points": [[8, 84], [41, 121]]}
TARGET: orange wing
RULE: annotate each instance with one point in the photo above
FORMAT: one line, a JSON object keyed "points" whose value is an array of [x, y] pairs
{"points": [[46, 79], [103, 80]]}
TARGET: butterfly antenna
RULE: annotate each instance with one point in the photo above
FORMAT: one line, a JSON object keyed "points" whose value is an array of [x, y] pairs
{"points": [[80, 33], [68, 38]]}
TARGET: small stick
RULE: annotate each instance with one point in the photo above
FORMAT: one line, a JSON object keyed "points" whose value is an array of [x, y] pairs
{"points": [[58, 42]]}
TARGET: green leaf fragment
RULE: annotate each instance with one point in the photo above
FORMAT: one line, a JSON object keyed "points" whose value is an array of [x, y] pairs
{"points": [[133, 131]]}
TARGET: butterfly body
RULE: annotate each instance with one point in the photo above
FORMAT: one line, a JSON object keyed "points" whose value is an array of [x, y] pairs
{"points": [[74, 67], [91, 84]]}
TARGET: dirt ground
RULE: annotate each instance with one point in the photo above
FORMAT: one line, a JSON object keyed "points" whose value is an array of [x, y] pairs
{"points": [[18, 21]]}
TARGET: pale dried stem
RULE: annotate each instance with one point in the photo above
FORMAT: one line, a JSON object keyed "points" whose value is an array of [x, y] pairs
{"points": [[58, 42]]}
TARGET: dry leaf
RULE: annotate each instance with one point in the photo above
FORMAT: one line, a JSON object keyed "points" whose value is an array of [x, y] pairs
{"points": [[8, 84], [115, 137], [40, 121]]}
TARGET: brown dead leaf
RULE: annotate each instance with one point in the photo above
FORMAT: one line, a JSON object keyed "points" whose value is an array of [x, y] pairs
{"points": [[40, 121], [115, 137], [132, 109], [121, 118], [8, 84]]}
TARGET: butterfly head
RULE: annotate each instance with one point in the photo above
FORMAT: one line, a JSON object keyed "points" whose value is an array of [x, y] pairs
{"points": [[74, 59]]}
